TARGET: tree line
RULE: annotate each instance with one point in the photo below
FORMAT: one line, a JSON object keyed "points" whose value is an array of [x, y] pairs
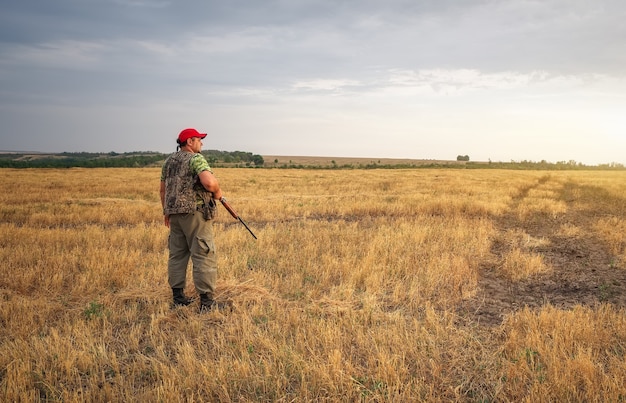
{"points": [[120, 160], [242, 159]]}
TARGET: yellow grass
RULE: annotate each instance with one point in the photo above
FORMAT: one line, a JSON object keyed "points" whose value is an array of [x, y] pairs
{"points": [[350, 293], [613, 231]]}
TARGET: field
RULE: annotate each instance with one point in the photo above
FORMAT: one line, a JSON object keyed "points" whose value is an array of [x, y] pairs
{"points": [[363, 285], [311, 161]]}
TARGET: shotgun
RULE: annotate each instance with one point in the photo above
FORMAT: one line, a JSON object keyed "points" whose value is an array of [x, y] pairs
{"points": [[235, 215]]}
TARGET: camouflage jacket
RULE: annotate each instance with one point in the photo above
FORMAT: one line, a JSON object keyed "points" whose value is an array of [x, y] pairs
{"points": [[183, 191]]}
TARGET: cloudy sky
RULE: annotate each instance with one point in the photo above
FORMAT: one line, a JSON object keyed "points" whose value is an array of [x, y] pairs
{"points": [[426, 79]]}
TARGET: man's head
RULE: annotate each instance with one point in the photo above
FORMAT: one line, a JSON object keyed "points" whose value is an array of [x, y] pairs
{"points": [[188, 134], [191, 138]]}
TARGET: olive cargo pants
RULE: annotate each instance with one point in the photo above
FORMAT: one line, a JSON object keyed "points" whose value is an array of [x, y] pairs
{"points": [[191, 236]]}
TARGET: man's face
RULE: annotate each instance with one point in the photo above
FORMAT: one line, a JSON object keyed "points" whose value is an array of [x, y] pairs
{"points": [[196, 144]]}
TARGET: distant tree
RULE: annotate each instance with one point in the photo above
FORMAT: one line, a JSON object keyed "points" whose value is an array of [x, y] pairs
{"points": [[462, 158], [258, 160]]}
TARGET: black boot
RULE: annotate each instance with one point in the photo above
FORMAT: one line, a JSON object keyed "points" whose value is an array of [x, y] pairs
{"points": [[206, 303], [179, 297]]}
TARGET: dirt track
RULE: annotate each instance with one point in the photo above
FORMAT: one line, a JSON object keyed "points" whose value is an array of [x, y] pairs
{"points": [[582, 270]]}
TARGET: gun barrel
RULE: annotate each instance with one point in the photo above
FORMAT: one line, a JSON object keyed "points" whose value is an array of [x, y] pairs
{"points": [[248, 228], [236, 216]]}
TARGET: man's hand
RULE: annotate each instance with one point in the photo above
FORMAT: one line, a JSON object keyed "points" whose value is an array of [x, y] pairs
{"points": [[167, 221]]}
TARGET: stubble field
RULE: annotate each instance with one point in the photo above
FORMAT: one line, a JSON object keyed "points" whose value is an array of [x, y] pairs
{"points": [[363, 285]]}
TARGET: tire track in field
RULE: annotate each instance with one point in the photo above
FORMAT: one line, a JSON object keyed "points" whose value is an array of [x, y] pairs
{"points": [[582, 269]]}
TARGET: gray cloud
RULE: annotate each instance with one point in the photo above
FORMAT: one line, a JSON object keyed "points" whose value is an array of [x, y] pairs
{"points": [[273, 74]]}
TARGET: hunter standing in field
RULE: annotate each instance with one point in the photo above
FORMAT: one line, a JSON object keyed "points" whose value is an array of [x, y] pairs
{"points": [[188, 194]]}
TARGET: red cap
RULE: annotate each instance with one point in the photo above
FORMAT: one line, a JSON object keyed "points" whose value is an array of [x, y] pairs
{"points": [[189, 133]]}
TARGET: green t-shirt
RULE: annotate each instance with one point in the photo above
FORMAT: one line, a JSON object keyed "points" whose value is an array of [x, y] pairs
{"points": [[198, 164]]}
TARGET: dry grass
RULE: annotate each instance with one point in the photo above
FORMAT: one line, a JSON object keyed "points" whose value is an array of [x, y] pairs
{"points": [[350, 293]]}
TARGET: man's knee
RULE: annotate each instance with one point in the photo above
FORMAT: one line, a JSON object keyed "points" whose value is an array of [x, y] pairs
{"points": [[205, 246]]}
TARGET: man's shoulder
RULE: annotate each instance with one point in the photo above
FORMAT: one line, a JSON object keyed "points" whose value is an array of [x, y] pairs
{"points": [[198, 157], [198, 164], [178, 155]]}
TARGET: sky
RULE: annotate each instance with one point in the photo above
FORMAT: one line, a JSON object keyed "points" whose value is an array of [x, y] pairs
{"points": [[499, 80]]}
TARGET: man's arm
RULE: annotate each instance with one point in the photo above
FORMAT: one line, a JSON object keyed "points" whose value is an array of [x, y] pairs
{"points": [[162, 192], [210, 183]]}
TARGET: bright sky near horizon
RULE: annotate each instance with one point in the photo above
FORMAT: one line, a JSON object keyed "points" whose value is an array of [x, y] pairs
{"points": [[425, 79]]}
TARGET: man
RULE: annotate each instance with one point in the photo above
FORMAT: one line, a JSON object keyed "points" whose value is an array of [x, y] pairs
{"points": [[188, 193]]}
